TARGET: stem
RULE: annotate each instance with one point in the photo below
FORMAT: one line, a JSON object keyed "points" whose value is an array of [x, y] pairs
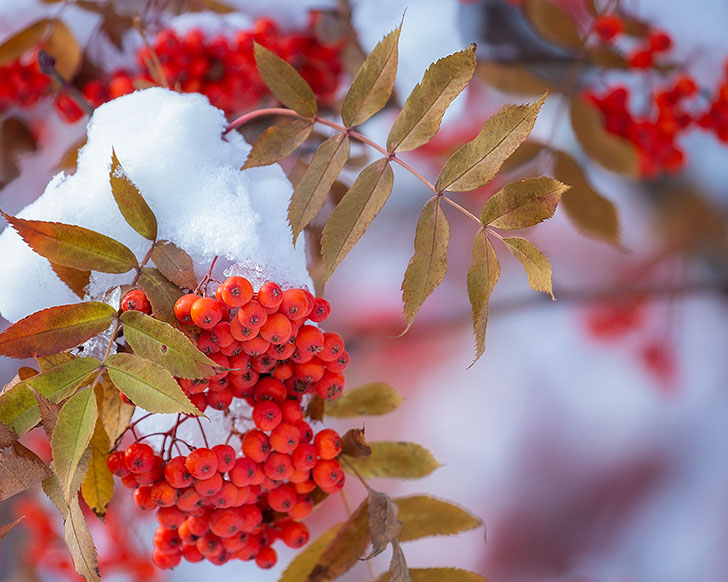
{"points": [[460, 208], [202, 430], [48, 66], [161, 77], [207, 277]]}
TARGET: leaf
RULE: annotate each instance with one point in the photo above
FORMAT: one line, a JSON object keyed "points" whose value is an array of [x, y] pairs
{"points": [[475, 164], [311, 191], [398, 571], [48, 411], [371, 88], [512, 78], [73, 433], [80, 543], [354, 444], [69, 159], [19, 470], [608, 58], [553, 23], [525, 153], [23, 374], [98, 484], [613, 152], [55, 329], [439, 575], [59, 43], [116, 413], [45, 363], [301, 566], [383, 523], [19, 407], [148, 385], [344, 550], [535, 263], [424, 516], [7, 436], [132, 205], [422, 113], [315, 408], [74, 246], [353, 215], [16, 139], [593, 214], [284, 82], [370, 399], [278, 142], [164, 345], [174, 264], [395, 459], [523, 203], [75, 279], [161, 294], [5, 528], [482, 277], [428, 265]]}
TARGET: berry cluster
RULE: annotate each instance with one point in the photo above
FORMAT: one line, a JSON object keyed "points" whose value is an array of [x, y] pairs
{"points": [[23, 83], [609, 27], [213, 503], [716, 118]]}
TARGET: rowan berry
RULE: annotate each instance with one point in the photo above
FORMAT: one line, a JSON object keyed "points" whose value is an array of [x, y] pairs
{"points": [[304, 487], [304, 457], [255, 346], [236, 291], [235, 542], [199, 525], [209, 545], [193, 386], [270, 295], [251, 517], [294, 534], [165, 561], [276, 329], [266, 558], [130, 481], [209, 486], [177, 474], [206, 312], [221, 334], [608, 26], [201, 463], [294, 303], [192, 554], [285, 437], [264, 363], [117, 465], [143, 498], [641, 59], [330, 386], [242, 384], [184, 533], [282, 498], [200, 401], [327, 443], [659, 41], [333, 347], [136, 300], [292, 411], [267, 415], [303, 507], [226, 457], [163, 494], [305, 432], [220, 400], [206, 345], [256, 446], [170, 517], [309, 372], [340, 363], [278, 467], [321, 310], [182, 307], [242, 472], [139, 457], [154, 474], [252, 315], [282, 352], [269, 388], [189, 500], [326, 473]]}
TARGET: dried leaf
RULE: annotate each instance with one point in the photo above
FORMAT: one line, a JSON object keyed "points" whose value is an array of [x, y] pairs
{"points": [[316, 407], [608, 58], [523, 203], [398, 571], [439, 575], [69, 159], [534, 262], [311, 191], [422, 113], [353, 215], [383, 523], [428, 265], [613, 152], [593, 214], [19, 470], [343, 552], [370, 399], [395, 459], [174, 263], [475, 164], [354, 444], [23, 41], [424, 516], [161, 343], [162, 294], [371, 88], [512, 78], [7, 436], [301, 566], [482, 277], [284, 82], [74, 246], [5, 528], [131, 203], [113, 23], [98, 484], [278, 142], [80, 543], [553, 23], [148, 385], [48, 412], [115, 413], [73, 433], [19, 407], [75, 279], [55, 329]]}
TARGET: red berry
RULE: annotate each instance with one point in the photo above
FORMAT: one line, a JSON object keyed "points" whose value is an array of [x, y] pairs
{"points": [[202, 463], [206, 312], [236, 291], [139, 457], [136, 300]]}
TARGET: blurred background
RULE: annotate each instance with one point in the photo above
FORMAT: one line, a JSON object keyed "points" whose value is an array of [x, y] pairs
{"points": [[591, 438]]}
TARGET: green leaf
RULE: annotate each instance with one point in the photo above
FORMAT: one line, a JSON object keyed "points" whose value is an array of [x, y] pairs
{"points": [[73, 433], [371, 88], [428, 265], [19, 407], [345, 549], [148, 385], [161, 343], [439, 575], [313, 187], [534, 262], [482, 277], [353, 215], [174, 263], [424, 516], [284, 82], [422, 113], [553, 23], [20, 469], [80, 543], [301, 566], [55, 329], [523, 203], [613, 152], [475, 163], [98, 485], [593, 214], [74, 246], [278, 142], [399, 460], [162, 294], [132, 205], [370, 399]]}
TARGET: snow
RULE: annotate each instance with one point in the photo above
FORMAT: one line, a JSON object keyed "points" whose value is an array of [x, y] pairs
{"points": [[170, 145]]}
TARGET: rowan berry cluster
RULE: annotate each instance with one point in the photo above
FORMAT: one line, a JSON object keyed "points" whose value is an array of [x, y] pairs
{"points": [[219, 503], [716, 117], [23, 84], [609, 27]]}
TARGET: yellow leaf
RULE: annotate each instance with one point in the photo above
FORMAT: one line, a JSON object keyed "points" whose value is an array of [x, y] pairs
{"points": [[131, 203], [534, 262], [370, 399], [424, 516], [115, 413], [439, 575], [278, 142], [399, 460], [482, 277], [284, 82], [80, 543], [98, 485], [523, 203]]}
